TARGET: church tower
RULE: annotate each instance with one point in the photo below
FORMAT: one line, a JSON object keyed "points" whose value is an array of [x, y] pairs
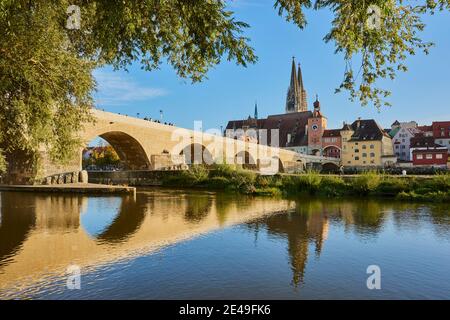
{"points": [[296, 95]]}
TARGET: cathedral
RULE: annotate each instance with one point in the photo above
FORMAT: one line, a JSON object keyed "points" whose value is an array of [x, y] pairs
{"points": [[299, 129]]}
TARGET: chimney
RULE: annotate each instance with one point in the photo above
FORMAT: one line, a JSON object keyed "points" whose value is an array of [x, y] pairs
{"points": [[358, 123]]}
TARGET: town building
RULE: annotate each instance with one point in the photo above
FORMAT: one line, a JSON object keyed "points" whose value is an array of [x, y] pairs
{"points": [[332, 143], [441, 133], [401, 133], [298, 129], [366, 144], [426, 152]]}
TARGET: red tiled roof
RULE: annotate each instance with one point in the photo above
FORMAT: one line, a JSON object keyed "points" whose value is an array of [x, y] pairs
{"points": [[290, 123], [332, 133]]}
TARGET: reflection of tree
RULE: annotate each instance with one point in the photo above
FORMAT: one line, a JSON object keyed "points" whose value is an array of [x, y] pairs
{"points": [[300, 227], [368, 217], [223, 203], [17, 219], [127, 222], [197, 208]]}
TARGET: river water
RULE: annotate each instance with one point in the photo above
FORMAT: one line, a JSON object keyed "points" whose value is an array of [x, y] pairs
{"points": [[178, 244]]}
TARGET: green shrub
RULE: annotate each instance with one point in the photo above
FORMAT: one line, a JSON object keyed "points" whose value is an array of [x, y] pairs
{"points": [[333, 186], [391, 186], [223, 170], [310, 181], [366, 182], [244, 181], [272, 192], [440, 181], [262, 181], [218, 182], [199, 173]]}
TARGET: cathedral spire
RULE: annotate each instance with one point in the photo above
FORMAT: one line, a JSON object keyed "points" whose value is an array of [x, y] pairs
{"points": [[256, 110], [300, 77], [294, 81], [296, 95]]}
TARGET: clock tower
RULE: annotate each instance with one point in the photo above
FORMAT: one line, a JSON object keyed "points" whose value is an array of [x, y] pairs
{"points": [[316, 126]]}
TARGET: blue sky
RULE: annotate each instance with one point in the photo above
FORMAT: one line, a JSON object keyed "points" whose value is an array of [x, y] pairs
{"points": [[421, 94]]}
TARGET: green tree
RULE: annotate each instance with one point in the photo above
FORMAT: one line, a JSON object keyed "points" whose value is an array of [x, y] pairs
{"points": [[46, 68]]}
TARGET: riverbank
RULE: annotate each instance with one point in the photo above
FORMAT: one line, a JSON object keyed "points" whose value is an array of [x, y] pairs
{"points": [[368, 184]]}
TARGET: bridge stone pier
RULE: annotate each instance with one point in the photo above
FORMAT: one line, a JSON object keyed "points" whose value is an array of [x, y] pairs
{"points": [[148, 145]]}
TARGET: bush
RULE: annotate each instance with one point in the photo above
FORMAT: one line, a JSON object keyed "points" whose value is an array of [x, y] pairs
{"points": [[199, 173], [366, 182], [244, 181], [223, 170], [390, 186], [219, 182], [333, 186], [272, 192], [440, 181], [310, 181]]}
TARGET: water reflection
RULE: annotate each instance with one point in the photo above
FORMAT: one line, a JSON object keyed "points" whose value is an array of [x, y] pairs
{"points": [[17, 218], [40, 235]]}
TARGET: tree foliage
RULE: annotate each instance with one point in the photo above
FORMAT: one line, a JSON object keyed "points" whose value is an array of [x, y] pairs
{"points": [[46, 81], [103, 156], [374, 47]]}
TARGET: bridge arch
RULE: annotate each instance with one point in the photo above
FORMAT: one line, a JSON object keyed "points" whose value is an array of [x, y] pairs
{"points": [[129, 149], [332, 151], [330, 167]]}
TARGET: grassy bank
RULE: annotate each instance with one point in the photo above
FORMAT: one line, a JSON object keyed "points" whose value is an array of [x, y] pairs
{"points": [[229, 178]]}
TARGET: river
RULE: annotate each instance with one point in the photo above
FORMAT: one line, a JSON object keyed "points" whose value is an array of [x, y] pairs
{"points": [[178, 244]]}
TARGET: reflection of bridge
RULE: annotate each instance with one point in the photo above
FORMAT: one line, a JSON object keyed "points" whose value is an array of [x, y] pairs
{"points": [[42, 235], [146, 145]]}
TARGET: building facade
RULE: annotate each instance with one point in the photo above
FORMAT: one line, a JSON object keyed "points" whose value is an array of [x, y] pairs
{"points": [[441, 133], [401, 133], [425, 152], [332, 143], [365, 144]]}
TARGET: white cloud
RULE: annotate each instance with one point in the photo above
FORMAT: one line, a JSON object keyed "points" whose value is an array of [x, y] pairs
{"points": [[116, 89]]}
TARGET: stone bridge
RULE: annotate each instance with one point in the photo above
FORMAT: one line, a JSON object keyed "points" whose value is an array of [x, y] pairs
{"points": [[148, 145]]}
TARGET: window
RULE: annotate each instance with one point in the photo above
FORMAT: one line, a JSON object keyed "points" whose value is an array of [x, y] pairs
{"points": [[364, 155], [372, 155], [349, 162], [356, 150], [419, 157], [372, 146], [364, 162], [403, 147], [372, 161], [429, 156], [356, 158], [439, 156], [364, 146], [396, 147]]}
